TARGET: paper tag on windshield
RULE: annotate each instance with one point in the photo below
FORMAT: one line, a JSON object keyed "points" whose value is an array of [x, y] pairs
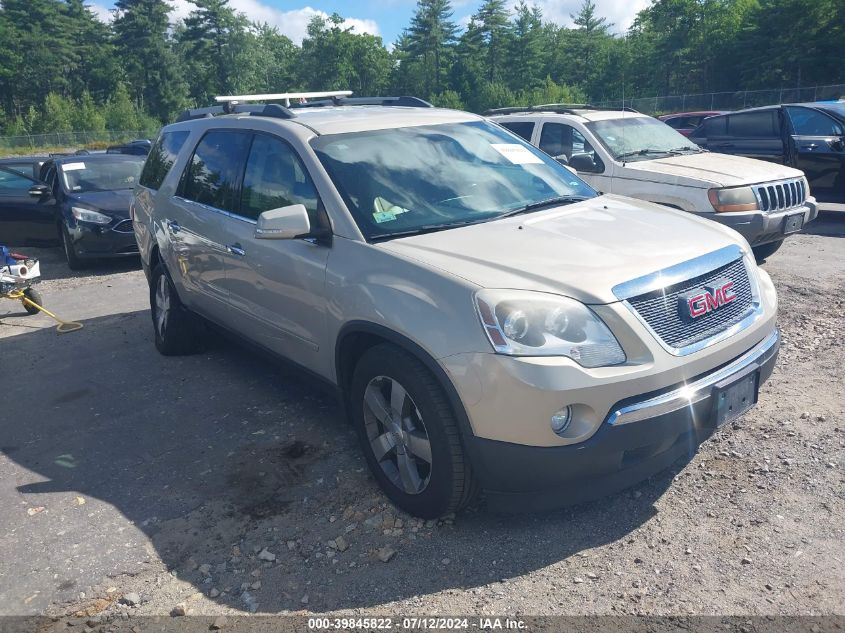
{"points": [[517, 154], [73, 166]]}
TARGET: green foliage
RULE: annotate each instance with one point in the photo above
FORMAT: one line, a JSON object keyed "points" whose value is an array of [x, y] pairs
{"points": [[63, 69]]}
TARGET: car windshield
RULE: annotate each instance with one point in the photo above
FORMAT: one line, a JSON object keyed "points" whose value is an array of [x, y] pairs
{"points": [[419, 179], [640, 138], [82, 176]]}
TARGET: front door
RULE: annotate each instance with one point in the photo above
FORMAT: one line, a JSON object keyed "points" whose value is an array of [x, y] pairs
{"points": [[207, 194], [562, 142], [818, 149], [24, 220], [278, 286]]}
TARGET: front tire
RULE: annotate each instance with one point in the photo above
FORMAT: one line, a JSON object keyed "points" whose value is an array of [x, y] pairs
{"points": [[764, 251], [178, 332], [73, 260], [409, 433]]}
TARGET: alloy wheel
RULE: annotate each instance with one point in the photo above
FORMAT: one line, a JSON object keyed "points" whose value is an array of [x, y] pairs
{"points": [[162, 304], [397, 435]]}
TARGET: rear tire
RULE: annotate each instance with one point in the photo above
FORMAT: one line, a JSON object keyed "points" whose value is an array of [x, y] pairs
{"points": [[401, 411], [764, 251], [178, 331], [33, 295]]}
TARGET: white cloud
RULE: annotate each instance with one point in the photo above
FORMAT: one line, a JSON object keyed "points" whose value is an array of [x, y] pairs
{"points": [[292, 23], [103, 13], [619, 12]]}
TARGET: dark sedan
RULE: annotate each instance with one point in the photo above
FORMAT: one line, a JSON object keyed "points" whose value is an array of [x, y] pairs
{"points": [[807, 136], [26, 165], [81, 202]]}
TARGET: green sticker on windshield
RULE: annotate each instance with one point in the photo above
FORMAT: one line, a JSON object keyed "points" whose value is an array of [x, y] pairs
{"points": [[384, 216]]}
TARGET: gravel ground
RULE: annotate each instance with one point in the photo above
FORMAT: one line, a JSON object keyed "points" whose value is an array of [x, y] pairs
{"points": [[226, 484]]}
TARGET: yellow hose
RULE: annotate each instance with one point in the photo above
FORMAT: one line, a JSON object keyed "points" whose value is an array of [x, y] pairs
{"points": [[64, 326]]}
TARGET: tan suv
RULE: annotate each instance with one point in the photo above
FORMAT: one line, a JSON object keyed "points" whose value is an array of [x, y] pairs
{"points": [[488, 320]]}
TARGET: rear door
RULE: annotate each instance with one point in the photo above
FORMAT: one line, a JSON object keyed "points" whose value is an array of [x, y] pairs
{"points": [[755, 134], [817, 144], [277, 286], [207, 195], [24, 220]]}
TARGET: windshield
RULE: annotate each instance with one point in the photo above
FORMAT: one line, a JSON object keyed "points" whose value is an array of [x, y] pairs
{"points": [[640, 138], [417, 179], [82, 176]]}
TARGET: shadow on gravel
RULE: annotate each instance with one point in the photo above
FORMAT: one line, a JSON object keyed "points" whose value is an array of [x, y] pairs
{"points": [[828, 224], [223, 448]]}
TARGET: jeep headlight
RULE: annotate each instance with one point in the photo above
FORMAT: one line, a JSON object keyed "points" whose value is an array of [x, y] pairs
{"points": [[526, 323], [733, 199]]}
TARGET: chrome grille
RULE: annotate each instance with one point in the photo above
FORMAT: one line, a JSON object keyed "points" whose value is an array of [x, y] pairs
{"points": [[124, 226], [660, 310], [780, 196]]}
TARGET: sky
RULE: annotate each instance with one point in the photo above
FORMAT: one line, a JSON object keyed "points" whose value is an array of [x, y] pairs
{"points": [[387, 18]]}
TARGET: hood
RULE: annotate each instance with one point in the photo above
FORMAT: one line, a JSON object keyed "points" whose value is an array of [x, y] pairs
{"points": [[114, 203], [707, 169], [581, 250]]}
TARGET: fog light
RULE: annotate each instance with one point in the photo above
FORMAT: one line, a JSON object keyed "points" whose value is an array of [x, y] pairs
{"points": [[561, 420]]}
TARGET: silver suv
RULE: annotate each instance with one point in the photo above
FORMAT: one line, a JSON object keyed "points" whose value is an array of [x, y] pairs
{"points": [[490, 322]]}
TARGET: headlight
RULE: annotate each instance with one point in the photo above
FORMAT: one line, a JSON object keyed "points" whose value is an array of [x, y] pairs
{"points": [[87, 215], [733, 199], [525, 323]]}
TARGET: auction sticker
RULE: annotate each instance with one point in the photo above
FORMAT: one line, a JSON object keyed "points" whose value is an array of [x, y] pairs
{"points": [[517, 154], [73, 166]]}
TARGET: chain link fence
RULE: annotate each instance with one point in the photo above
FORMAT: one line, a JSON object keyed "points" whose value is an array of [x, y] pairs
{"points": [[728, 100], [70, 140]]}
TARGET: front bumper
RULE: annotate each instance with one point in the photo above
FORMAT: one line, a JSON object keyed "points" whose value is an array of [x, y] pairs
{"points": [[761, 228], [640, 437], [103, 242]]}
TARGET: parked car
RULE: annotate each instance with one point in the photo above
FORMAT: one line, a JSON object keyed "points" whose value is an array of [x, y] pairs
{"points": [[81, 202], [632, 154], [807, 136], [686, 122], [26, 165], [140, 147], [488, 320]]}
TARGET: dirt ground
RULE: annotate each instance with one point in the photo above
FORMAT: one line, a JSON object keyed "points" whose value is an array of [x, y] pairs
{"points": [[223, 483]]}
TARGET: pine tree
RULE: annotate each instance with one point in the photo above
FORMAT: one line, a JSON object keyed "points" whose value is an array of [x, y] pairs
{"points": [[430, 41], [527, 57], [492, 18]]}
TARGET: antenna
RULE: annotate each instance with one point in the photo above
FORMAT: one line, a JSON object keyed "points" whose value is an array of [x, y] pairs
{"points": [[286, 96]]}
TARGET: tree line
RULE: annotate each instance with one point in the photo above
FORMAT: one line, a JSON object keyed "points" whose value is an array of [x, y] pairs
{"points": [[63, 69]]}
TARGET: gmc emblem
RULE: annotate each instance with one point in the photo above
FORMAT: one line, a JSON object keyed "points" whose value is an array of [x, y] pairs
{"points": [[698, 302]]}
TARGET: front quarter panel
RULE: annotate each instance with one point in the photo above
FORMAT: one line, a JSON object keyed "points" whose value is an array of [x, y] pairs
{"points": [[434, 310]]}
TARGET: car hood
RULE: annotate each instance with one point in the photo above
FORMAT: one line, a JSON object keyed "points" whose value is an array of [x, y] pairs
{"points": [[581, 250], [114, 203], [708, 169]]}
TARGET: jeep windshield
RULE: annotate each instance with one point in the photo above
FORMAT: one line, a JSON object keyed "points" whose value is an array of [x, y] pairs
{"points": [[406, 181], [641, 138]]}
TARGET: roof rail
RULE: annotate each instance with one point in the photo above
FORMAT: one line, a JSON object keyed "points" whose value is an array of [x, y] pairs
{"points": [[559, 108], [259, 109], [283, 96], [403, 101]]}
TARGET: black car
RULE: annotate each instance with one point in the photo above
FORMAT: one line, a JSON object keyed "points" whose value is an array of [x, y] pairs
{"points": [[26, 165], [140, 147], [807, 136], [81, 202]]}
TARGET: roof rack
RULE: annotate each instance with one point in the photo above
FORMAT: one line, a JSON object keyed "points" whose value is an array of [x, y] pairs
{"points": [[269, 110], [404, 101], [283, 96], [559, 108]]}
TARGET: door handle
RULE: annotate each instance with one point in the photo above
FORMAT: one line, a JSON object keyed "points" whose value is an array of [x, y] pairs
{"points": [[810, 146], [723, 145], [174, 227], [236, 249]]}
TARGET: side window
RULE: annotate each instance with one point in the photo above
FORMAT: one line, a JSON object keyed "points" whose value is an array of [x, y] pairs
{"points": [[675, 122], [808, 122], [525, 129], [558, 139], [13, 181], [162, 156], [213, 175], [275, 177], [754, 124], [713, 127]]}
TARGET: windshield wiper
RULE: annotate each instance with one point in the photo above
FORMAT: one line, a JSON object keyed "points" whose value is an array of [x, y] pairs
{"points": [[421, 230], [535, 206], [687, 148], [647, 151]]}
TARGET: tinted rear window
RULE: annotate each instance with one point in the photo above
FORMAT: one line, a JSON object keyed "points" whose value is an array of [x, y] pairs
{"points": [[714, 126], [521, 128], [754, 124], [213, 175], [161, 158]]}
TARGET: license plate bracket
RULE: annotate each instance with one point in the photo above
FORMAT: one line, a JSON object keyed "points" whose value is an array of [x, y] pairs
{"points": [[793, 223], [735, 395]]}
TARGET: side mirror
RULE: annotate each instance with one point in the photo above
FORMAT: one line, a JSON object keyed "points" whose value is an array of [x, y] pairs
{"points": [[284, 223], [39, 191], [582, 162], [562, 159]]}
